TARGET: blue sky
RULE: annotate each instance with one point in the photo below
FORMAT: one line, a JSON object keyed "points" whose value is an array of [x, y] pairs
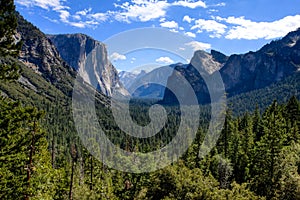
{"points": [[234, 26]]}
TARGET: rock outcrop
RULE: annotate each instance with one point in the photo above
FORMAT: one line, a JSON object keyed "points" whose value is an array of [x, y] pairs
{"points": [[89, 58], [41, 55]]}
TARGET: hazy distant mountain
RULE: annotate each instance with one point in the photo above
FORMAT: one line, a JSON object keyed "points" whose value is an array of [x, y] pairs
{"points": [[142, 84], [127, 78]]}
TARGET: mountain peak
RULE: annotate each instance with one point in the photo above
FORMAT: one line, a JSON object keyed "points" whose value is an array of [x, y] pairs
{"points": [[205, 62]]}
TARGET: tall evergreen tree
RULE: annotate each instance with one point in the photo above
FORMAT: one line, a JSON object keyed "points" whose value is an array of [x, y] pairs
{"points": [[267, 150]]}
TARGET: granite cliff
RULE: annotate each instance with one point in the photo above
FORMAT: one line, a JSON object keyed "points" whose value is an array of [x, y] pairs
{"points": [[89, 58]]}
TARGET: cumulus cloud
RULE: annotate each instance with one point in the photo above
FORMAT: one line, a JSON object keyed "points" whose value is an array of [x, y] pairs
{"points": [[164, 60], [81, 19], [169, 24], [116, 56], [190, 34], [141, 10], [190, 4], [187, 19], [174, 30], [250, 30], [83, 12], [98, 16], [215, 28], [198, 45], [146, 10], [45, 4]]}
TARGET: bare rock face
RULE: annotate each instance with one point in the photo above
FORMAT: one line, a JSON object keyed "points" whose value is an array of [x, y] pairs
{"points": [[205, 62], [89, 58], [41, 55], [37, 51]]}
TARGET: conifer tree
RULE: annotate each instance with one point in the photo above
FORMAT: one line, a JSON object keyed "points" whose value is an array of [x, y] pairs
{"points": [[267, 150]]}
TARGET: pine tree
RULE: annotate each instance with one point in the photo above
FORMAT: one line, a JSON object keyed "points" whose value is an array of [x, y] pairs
{"points": [[223, 142], [25, 167], [267, 150]]}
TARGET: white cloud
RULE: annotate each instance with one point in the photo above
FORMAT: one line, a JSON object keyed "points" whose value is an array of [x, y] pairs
{"points": [[198, 45], [190, 4], [132, 60], [83, 12], [141, 10], [78, 24], [222, 4], [169, 24], [174, 30], [51, 20], [116, 56], [146, 10], [64, 15], [45, 4], [190, 34], [165, 60], [212, 11], [250, 30], [98, 16], [187, 19], [76, 17], [217, 29], [162, 19], [81, 19]]}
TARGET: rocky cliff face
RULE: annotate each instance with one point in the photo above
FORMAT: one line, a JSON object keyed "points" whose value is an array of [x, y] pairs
{"points": [[254, 70], [206, 62], [244, 72], [89, 58], [39, 54]]}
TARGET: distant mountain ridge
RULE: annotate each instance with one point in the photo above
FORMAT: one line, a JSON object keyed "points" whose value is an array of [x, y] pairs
{"points": [[127, 78], [149, 84], [242, 72]]}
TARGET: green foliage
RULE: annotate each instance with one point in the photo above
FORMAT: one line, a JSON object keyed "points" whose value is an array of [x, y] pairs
{"points": [[287, 168], [180, 182], [24, 159], [282, 91]]}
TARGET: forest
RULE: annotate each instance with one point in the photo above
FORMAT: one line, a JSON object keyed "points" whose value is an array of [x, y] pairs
{"points": [[257, 155]]}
